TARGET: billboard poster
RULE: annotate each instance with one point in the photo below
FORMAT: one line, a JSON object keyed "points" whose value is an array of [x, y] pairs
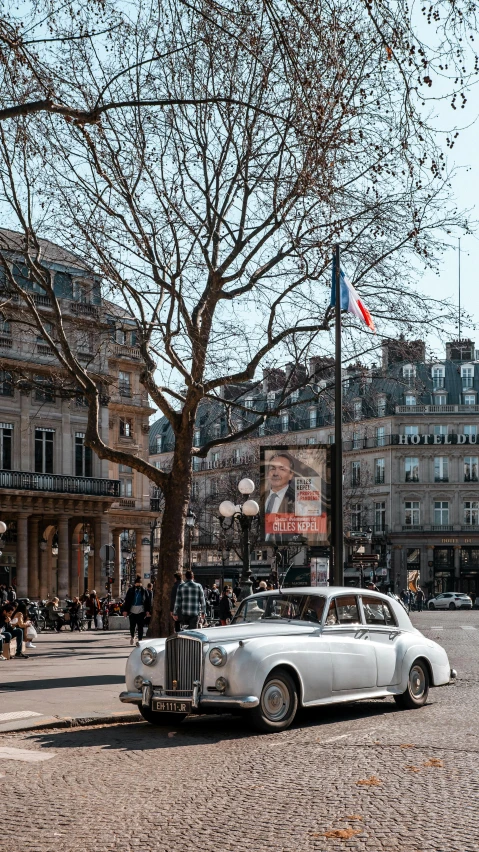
{"points": [[295, 493]]}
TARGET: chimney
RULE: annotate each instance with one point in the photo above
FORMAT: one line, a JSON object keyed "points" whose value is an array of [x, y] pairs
{"points": [[400, 350], [273, 379], [461, 350]]}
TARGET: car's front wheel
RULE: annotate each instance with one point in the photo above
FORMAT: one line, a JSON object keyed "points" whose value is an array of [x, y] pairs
{"points": [[155, 718], [278, 703], [452, 606], [417, 688], [431, 606]]}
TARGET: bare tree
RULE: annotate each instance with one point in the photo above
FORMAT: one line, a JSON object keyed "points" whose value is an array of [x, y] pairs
{"points": [[211, 223]]}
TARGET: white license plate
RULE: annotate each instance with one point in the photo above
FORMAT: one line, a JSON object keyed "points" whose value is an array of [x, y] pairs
{"points": [[163, 706]]}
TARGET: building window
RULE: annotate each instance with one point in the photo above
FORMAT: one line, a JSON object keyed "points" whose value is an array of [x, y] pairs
{"points": [[159, 443], [471, 512], [217, 430], [124, 468], [261, 429], [196, 463], [440, 399], [126, 487], [381, 406], [411, 469], [380, 436], [355, 473], [197, 437], [356, 440], [5, 326], [331, 439], [44, 450], [248, 402], [379, 471], [6, 383], [44, 391], [409, 374], [438, 377], [313, 418], [271, 399], [379, 517], [470, 431], [284, 422], [470, 469], [467, 376], [469, 398], [214, 488], [409, 399], [83, 456], [412, 515], [124, 383], [357, 410], [120, 336], [6, 435], [195, 490], [236, 455], [355, 517], [126, 430], [440, 430], [294, 396], [441, 469], [441, 513], [411, 430], [310, 440], [215, 457]]}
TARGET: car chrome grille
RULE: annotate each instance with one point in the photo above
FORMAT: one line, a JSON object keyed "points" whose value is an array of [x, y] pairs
{"points": [[183, 655]]}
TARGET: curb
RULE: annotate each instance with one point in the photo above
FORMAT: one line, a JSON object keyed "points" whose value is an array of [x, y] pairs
{"points": [[49, 722]]}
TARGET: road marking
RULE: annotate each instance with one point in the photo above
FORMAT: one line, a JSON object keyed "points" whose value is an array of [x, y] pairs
{"points": [[21, 714], [468, 627], [436, 627], [24, 755]]}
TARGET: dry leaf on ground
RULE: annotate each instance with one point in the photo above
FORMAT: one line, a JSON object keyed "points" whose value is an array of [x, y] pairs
{"points": [[369, 782], [433, 761], [342, 833], [353, 816], [413, 768], [407, 745]]}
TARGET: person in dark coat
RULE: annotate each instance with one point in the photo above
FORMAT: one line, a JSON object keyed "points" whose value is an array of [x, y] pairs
{"points": [[176, 585], [226, 606], [137, 606], [92, 608]]}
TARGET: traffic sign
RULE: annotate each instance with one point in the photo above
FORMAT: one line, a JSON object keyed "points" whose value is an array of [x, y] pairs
{"points": [[107, 553]]}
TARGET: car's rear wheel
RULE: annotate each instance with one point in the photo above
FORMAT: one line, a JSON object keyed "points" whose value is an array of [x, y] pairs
{"points": [[278, 703], [452, 606], [155, 718], [417, 687], [431, 606]]}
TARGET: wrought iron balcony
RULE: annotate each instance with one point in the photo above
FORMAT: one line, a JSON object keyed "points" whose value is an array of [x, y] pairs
{"points": [[19, 480]]}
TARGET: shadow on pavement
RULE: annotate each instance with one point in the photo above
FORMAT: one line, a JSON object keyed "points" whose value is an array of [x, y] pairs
{"points": [[63, 682], [201, 730]]}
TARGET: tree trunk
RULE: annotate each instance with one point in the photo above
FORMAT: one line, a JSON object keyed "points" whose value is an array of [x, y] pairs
{"points": [[177, 497]]}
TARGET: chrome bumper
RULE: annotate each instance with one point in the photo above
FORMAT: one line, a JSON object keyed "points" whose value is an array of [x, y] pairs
{"points": [[205, 702]]}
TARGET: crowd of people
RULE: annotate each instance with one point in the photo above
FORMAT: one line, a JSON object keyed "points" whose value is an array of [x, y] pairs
{"points": [[15, 624]]}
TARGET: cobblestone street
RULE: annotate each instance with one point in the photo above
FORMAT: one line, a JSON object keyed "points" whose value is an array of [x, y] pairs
{"points": [[364, 777]]}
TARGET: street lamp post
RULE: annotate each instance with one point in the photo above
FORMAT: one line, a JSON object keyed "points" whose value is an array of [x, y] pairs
{"points": [[244, 514], [190, 522]]}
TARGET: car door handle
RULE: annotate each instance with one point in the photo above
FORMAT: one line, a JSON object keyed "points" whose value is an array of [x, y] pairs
{"points": [[393, 635]]}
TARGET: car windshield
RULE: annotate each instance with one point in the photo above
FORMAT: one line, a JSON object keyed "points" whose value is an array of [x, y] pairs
{"points": [[280, 606]]}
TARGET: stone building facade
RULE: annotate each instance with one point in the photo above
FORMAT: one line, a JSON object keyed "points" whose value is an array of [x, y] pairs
{"points": [[60, 502], [410, 464]]}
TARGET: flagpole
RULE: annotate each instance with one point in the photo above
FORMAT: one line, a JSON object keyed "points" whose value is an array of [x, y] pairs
{"points": [[338, 433]]}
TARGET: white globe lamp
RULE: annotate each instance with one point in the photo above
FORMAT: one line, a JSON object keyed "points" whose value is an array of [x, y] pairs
{"points": [[246, 486], [251, 508], [227, 509], [3, 527]]}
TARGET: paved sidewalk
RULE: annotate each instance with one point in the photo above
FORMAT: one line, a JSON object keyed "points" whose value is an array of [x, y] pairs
{"points": [[67, 675]]}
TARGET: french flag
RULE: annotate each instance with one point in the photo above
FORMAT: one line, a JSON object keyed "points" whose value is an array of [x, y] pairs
{"points": [[350, 300]]}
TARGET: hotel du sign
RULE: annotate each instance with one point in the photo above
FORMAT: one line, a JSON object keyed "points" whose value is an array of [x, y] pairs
{"points": [[438, 439]]}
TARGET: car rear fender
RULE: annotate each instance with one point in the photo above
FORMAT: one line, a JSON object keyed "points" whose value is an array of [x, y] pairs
{"points": [[435, 660]]}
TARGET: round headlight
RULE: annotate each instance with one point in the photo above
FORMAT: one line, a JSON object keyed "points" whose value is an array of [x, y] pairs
{"points": [[218, 656], [148, 656], [138, 682], [221, 684]]}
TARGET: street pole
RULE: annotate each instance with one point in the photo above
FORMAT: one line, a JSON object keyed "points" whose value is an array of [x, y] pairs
{"points": [[338, 431], [245, 579]]}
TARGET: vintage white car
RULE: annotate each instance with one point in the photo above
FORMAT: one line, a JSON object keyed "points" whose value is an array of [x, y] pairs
{"points": [[301, 647]]}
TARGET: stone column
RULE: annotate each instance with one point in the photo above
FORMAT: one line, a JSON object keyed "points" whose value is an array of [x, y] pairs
{"points": [[44, 585], [101, 533], [22, 556], [457, 567], [63, 561], [116, 590], [76, 569], [33, 572]]}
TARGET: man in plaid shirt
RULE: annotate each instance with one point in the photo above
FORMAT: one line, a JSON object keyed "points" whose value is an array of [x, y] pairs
{"points": [[190, 602]]}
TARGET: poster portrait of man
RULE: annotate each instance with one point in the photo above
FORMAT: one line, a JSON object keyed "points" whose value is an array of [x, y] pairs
{"points": [[295, 485]]}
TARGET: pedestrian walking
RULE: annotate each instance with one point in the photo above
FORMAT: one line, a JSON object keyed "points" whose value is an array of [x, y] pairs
{"points": [[92, 610], [137, 606], [420, 597], [176, 585], [226, 606], [75, 612], [190, 602]]}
